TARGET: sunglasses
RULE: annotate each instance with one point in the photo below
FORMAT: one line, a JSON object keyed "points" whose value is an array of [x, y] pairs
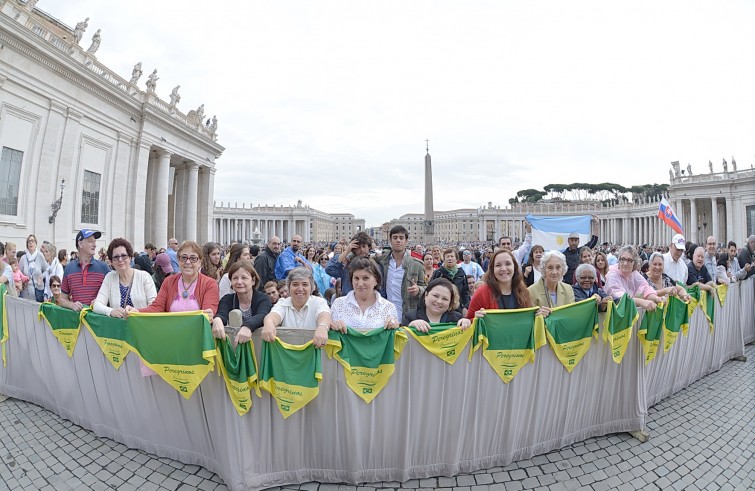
{"points": [[55, 285]]}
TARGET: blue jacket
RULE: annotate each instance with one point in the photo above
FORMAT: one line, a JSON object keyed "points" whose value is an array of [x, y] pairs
{"points": [[286, 262]]}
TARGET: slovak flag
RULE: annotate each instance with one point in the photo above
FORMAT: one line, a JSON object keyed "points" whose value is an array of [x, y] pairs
{"points": [[666, 214]]}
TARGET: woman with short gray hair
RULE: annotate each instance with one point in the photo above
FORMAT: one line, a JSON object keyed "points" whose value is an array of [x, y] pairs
{"points": [[626, 279], [300, 310], [551, 291]]}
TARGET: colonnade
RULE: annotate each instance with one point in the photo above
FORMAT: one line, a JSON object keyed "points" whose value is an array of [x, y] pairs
{"points": [[227, 230], [178, 199]]}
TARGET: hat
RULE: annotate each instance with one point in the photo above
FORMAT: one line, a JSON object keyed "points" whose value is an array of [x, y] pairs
{"points": [[678, 241], [85, 233], [574, 235], [163, 261]]}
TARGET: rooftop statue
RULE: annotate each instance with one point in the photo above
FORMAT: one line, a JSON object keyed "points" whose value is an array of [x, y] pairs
{"points": [[152, 81], [175, 98], [78, 31], [689, 169], [726, 166], [136, 73], [710, 166], [96, 40]]}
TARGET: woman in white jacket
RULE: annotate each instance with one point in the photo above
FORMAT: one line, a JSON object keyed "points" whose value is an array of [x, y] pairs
{"points": [[54, 267], [125, 286]]}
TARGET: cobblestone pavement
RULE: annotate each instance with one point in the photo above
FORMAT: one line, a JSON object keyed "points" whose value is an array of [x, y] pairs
{"points": [[700, 438]]}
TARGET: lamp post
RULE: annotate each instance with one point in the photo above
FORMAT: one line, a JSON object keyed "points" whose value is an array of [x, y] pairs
{"points": [[55, 206]]}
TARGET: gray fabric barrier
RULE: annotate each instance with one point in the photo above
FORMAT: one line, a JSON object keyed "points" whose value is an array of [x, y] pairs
{"points": [[700, 353], [432, 418]]}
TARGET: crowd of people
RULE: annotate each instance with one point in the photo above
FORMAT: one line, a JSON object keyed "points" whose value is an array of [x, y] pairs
{"points": [[359, 283]]}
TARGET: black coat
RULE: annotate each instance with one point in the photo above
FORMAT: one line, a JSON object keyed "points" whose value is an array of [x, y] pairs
{"points": [[265, 266], [261, 306]]}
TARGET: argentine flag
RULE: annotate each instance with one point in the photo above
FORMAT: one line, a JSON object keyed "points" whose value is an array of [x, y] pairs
{"points": [[553, 232]]}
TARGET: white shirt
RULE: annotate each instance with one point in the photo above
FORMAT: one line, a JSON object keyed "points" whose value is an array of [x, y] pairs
{"points": [[677, 270], [472, 269], [305, 318], [347, 309], [393, 284]]}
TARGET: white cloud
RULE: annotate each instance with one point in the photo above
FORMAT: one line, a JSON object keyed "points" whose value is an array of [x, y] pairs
{"points": [[330, 102]]}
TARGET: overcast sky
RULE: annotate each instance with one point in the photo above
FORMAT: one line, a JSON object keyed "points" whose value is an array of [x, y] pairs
{"points": [[330, 102]]}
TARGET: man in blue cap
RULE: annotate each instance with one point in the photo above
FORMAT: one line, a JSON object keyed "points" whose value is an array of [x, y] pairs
{"points": [[83, 276]]}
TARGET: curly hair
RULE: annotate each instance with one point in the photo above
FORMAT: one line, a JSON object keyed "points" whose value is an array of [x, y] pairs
{"points": [[119, 242]]}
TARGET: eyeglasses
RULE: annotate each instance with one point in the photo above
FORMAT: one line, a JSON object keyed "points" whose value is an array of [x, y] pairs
{"points": [[121, 257], [323, 259], [191, 259], [626, 260]]}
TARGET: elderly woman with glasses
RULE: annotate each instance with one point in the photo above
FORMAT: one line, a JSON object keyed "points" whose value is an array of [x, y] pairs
{"points": [[188, 290], [124, 286], [626, 278], [585, 286]]}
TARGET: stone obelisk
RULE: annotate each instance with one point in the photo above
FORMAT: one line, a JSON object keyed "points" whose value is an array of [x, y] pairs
{"points": [[429, 214]]}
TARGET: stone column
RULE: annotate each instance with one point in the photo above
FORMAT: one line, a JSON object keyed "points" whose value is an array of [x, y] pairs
{"points": [[693, 221], [714, 219], [192, 191], [162, 192], [729, 229], [149, 216], [180, 177]]}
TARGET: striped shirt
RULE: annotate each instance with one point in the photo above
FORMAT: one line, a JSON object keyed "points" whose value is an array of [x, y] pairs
{"points": [[82, 285]]}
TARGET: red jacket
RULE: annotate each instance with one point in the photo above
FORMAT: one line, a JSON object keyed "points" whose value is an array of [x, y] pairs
{"points": [[483, 298], [206, 292]]}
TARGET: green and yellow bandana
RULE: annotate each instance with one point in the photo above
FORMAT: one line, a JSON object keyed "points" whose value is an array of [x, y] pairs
{"points": [[177, 345], [291, 374], [446, 341], [651, 330], [619, 320], [65, 324], [239, 370], [569, 329], [675, 319], [509, 339], [368, 359], [111, 334]]}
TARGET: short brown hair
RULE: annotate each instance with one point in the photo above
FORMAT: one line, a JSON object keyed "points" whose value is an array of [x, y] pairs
{"points": [[190, 244], [247, 266], [367, 264], [119, 242]]}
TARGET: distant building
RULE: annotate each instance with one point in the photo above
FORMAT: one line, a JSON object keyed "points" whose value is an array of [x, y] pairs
{"points": [[239, 224]]}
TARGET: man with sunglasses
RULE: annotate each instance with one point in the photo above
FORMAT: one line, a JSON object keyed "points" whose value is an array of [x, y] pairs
{"points": [[83, 276]]}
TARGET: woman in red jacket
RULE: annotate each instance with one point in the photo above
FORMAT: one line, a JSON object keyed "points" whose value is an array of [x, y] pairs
{"points": [[189, 290], [503, 287]]}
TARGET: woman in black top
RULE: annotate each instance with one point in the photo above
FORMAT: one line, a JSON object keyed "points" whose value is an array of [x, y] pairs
{"points": [[254, 305], [437, 305]]}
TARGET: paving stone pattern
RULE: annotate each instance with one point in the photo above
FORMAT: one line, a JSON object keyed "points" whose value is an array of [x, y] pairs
{"points": [[701, 438]]}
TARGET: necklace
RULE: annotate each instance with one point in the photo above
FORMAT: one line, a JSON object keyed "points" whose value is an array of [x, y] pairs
{"points": [[125, 298], [185, 293]]}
